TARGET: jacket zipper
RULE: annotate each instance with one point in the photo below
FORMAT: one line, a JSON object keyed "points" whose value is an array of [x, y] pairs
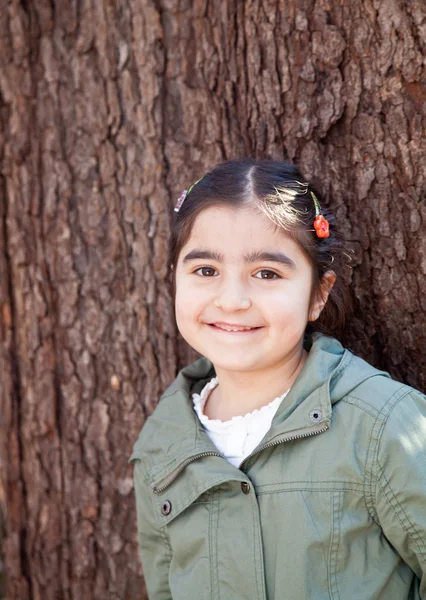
{"points": [[157, 489], [282, 440]]}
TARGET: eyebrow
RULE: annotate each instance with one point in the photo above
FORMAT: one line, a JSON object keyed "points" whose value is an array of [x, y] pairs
{"points": [[251, 257]]}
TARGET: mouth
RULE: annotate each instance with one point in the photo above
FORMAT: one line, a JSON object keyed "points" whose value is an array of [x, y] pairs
{"points": [[233, 329]]}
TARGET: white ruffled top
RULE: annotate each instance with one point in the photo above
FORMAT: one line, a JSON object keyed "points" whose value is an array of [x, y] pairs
{"points": [[239, 436]]}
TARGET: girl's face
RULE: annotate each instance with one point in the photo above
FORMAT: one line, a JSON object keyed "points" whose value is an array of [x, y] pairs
{"points": [[237, 270]]}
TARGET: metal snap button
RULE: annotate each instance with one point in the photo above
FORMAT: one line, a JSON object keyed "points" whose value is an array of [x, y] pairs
{"points": [[245, 487], [315, 415], [166, 507]]}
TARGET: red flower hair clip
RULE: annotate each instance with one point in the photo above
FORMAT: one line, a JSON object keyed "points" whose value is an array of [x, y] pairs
{"points": [[321, 225]]}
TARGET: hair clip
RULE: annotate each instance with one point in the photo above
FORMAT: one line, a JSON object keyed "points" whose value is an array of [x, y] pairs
{"points": [[181, 200], [321, 225], [183, 196]]}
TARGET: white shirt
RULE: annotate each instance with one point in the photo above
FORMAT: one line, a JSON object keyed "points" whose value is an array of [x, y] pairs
{"points": [[238, 437]]}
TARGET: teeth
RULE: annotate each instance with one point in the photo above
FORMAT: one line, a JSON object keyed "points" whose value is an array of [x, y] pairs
{"points": [[233, 328]]}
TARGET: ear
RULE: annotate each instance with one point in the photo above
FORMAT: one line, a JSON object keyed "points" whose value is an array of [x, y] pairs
{"points": [[322, 293]]}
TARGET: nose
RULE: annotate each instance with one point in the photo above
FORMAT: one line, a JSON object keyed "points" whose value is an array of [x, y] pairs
{"points": [[232, 296]]}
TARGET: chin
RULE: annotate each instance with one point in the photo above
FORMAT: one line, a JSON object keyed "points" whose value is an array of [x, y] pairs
{"points": [[232, 364]]}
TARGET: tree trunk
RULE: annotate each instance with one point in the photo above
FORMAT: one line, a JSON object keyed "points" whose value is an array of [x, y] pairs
{"points": [[108, 109]]}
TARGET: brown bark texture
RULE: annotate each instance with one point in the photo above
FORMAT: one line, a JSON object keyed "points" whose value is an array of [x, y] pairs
{"points": [[108, 109]]}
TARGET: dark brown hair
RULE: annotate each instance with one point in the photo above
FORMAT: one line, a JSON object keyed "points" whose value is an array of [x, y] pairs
{"points": [[281, 192]]}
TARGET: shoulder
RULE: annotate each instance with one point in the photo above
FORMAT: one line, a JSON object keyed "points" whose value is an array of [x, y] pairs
{"points": [[396, 464], [375, 389], [160, 427], [403, 423], [172, 427], [393, 417], [398, 411]]}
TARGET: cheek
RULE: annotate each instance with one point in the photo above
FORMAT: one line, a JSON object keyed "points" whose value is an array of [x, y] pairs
{"points": [[182, 316], [181, 307], [188, 303], [291, 306]]}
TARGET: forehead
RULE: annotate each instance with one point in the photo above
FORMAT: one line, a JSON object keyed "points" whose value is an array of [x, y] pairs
{"points": [[236, 231]]}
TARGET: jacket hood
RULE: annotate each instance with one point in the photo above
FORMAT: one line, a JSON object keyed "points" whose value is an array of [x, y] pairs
{"points": [[173, 432]]}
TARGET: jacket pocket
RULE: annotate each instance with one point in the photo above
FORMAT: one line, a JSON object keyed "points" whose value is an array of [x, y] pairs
{"points": [[190, 536], [302, 546]]}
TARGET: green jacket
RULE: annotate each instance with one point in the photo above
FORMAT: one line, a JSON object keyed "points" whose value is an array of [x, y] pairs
{"points": [[331, 504]]}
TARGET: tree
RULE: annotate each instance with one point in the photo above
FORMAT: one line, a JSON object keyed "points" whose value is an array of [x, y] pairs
{"points": [[108, 110]]}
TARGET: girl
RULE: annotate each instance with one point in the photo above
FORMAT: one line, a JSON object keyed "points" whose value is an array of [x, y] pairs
{"points": [[278, 465]]}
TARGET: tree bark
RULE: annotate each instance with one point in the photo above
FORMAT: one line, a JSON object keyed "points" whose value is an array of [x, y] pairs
{"points": [[108, 109]]}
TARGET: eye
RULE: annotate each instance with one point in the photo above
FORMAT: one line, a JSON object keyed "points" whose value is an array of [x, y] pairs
{"points": [[274, 275], [206, 271]]}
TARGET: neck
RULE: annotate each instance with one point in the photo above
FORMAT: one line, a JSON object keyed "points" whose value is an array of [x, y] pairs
{"points": [[239, 393]]}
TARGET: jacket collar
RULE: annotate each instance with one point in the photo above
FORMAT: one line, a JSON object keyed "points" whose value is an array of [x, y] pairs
{"points": [[173, 438], [173, 434]]}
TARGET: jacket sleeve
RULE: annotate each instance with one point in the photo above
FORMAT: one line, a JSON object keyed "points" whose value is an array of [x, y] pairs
{"points": [[154, 548], [401, 482]]}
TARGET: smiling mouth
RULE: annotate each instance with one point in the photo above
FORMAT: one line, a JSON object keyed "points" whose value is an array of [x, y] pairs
{"points": [[230, 329]]}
